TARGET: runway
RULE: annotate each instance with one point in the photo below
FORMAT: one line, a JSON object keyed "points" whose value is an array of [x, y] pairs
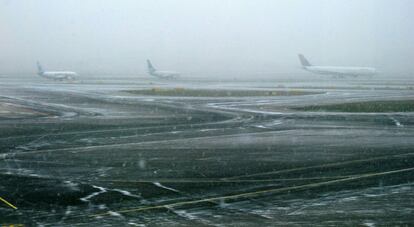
{"points": [[96, 152]]}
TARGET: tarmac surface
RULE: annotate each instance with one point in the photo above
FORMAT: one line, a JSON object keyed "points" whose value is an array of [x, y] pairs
{"points": [[96, 152]]}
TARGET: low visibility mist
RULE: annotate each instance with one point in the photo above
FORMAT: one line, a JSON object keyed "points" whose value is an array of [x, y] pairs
{"points": [[205, 37], [206, 113]]}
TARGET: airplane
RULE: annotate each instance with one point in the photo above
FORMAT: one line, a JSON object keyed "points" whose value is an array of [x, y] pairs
{"points": [[337, 71], [161, 74], [55, 75]]}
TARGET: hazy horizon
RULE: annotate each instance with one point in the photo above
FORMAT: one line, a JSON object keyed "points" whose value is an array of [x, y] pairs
{"points": [[205, 37]]}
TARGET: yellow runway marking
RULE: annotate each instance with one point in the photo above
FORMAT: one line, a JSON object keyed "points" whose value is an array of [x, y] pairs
{"points": [[7, 203], [257, 193], [319, 166], [83, 149], [219, 180]]}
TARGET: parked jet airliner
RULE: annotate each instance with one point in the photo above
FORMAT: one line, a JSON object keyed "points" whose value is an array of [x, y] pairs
{"points": [[55, 75], [337, 70], [161, 74]]}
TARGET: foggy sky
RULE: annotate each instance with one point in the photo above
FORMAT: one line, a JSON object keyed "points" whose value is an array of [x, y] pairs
{"points": [[204, 36]]}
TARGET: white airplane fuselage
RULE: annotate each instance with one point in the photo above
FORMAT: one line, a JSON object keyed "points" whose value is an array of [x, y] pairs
{"points": [[55, 75], [59, 75], [341, 71], [165, 74]]}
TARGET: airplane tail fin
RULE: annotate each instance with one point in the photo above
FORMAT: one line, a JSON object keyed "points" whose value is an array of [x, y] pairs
{"points": [[151, 68], [39, 68], [304, 61]]}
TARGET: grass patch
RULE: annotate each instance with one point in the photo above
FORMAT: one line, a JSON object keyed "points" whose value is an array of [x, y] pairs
{"points": [[364, 107], [181, 92]]}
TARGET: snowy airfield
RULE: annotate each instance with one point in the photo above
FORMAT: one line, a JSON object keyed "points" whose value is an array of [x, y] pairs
{"points": [[138, 152]]}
